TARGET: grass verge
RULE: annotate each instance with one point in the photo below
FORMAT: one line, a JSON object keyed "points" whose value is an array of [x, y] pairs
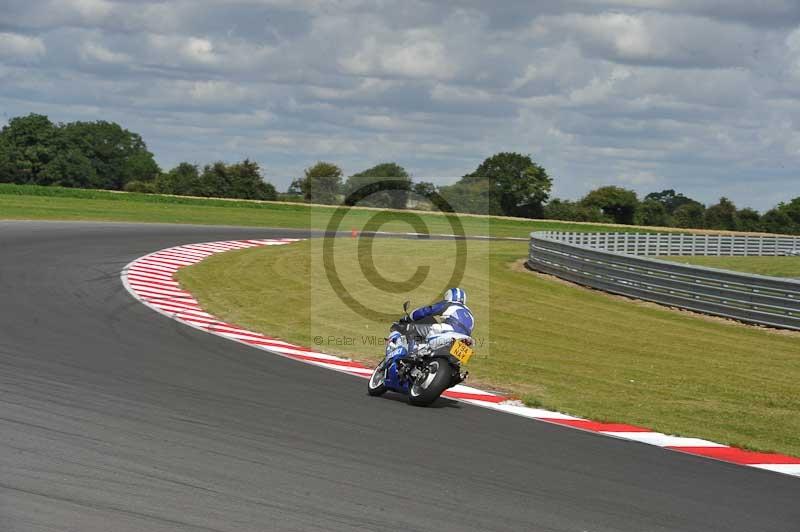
{"points": [[30, 202], [549, 343], [773, 266]]}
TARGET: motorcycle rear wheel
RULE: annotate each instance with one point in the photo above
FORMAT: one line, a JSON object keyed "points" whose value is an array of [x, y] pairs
{"points": [[429, 387]]}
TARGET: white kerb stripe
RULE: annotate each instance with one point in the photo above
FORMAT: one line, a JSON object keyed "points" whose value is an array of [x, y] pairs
{"points": [[788, 469], [524, 411], [663, 440]]}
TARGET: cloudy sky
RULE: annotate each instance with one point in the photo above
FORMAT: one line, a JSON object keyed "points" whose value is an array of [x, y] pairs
{"points": [[698, 95]]}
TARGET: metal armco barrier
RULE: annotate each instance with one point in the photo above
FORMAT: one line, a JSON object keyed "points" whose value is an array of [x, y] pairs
{"points": [[615, 262], [665, 244]]}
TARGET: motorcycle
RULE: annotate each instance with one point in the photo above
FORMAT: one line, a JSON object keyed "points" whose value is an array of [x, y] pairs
{"points": [[413, 368]]}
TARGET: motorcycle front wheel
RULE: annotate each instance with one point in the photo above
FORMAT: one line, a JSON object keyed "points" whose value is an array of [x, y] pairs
{"points": [[377, 382], [429, 386]]}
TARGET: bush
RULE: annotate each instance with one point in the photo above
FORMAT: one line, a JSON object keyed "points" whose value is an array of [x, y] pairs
{"points": [[559, 209], [321, 183], [385, 185], [145, 187], [689, 215], [616, 202], [652, 212]]}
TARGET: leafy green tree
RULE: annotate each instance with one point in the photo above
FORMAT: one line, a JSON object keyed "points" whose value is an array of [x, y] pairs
{"points": [[721, 216], [116, 154], [424, 189], [385, 185], [430, 193], [689, 215], [214, 181], [296, 187], [30, 143], [670, 199], [784, 218], [241, 180], [141, 165], [321, 183], [69, 168], [653, 212], [517, 185], [37, 151], [477, 197], [558, 209], [792, 210], [8, 167], [183, 180], [749, 220], [248, 183], [618, 203], [777, 220]]}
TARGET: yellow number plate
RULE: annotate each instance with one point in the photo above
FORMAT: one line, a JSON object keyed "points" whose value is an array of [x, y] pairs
{"points": [[461, 351]]}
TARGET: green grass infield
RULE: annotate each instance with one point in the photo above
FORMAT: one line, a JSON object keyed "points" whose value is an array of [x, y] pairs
{"points": [[29, 202]]}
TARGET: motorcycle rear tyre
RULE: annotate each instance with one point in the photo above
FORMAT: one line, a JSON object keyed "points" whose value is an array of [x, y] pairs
{"points": [[426, 392]]}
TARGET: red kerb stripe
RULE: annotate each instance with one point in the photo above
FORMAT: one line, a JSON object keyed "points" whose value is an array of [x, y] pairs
{"points": [[595, 426], [276, 343], [475, 396], [139, 279], [738, 456], [346, 363]]}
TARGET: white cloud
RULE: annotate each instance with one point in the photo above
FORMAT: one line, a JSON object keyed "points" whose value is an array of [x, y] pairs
{"points": [[455, 93], [200, 50], [627, 34], [656, 38], [419, 56], [94, 52], [642, 177], [763, 12], [599, 89], [205, 54], [209, 95], [15, 48], [793, 56], [416, 54], [90, 10]]}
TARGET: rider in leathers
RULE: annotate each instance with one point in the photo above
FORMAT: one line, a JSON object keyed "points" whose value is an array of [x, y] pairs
{"points": [[455, 320]]}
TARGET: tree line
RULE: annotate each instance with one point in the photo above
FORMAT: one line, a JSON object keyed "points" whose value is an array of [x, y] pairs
{"points": [[34, 150], [505, 184], [511, 184], [668, 208]]}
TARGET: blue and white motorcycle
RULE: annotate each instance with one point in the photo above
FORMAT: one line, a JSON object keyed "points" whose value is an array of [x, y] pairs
{"points": [[413, 368]]}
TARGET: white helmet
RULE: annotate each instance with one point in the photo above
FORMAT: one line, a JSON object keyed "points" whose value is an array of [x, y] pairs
{"points": [[456, 295]]}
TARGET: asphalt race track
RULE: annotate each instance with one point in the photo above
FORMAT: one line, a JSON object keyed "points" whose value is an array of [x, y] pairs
{"points": [[115, 418]]}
